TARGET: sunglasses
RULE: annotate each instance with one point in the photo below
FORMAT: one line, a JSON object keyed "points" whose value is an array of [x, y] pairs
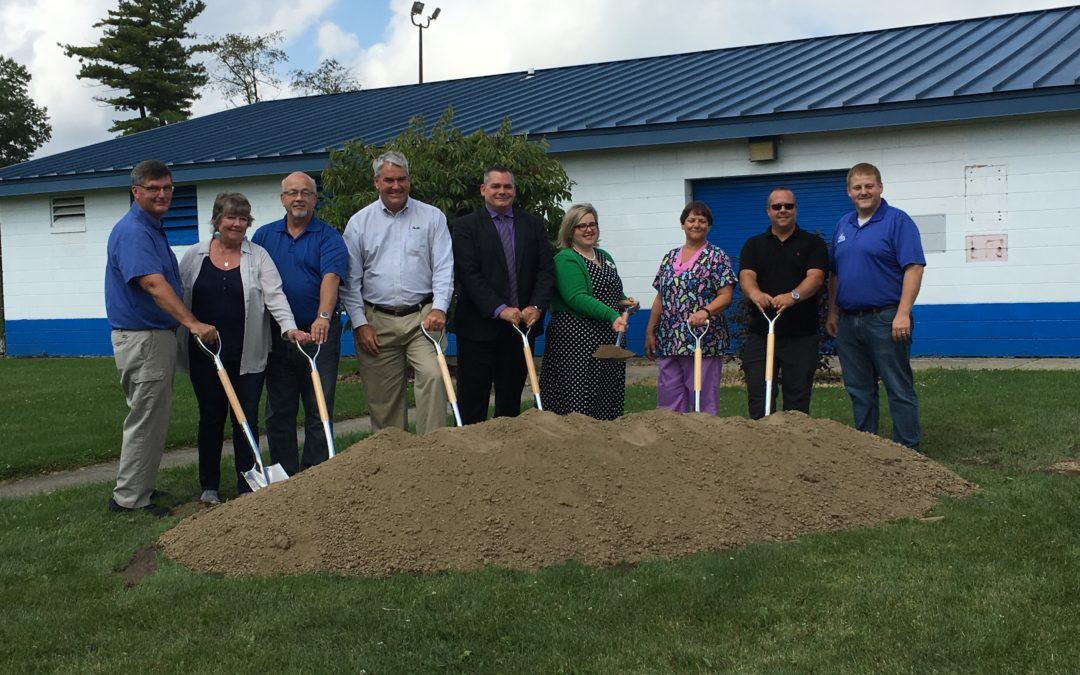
{"points": [[780, 207]]}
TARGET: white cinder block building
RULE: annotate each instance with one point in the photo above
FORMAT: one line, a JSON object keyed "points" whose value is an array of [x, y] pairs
{"points": [[974, 124]]}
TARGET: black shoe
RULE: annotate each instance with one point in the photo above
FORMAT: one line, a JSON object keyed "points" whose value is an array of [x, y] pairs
{"points": [[152, 509]]}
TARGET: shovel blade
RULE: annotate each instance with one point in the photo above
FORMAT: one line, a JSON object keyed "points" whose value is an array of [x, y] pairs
{"points": [[255, 479], [275, 473]]}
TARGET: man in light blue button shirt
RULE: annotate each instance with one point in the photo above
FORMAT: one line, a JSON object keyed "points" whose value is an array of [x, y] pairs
{"points": [[400, 273]]}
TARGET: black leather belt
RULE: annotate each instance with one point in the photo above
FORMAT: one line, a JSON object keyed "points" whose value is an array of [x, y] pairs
{"points": [[400, 311], [866, 310]]}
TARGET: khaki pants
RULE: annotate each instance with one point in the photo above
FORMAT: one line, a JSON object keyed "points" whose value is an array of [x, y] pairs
{"points": [[146, 360], [401, 343]]}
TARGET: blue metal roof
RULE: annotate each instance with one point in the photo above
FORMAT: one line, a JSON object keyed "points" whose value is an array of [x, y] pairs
{"points": [[1001, 65]]}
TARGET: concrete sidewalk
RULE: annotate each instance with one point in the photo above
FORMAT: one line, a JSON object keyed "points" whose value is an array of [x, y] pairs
{"points": [[637, 370]]}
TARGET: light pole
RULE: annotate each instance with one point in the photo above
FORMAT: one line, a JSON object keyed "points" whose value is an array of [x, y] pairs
{"points": [[417, 9]]}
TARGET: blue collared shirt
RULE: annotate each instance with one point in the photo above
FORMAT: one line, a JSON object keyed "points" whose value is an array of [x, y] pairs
{"points": [[138, 247], [397, 259], [869, 261], [303, 262]]}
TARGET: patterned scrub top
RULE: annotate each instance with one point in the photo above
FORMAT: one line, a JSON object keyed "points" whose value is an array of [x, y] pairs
{"points": [[682, 293]]}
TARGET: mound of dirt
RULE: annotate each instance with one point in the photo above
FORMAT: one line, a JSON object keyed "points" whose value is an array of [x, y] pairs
{"points": [[540, 489]]}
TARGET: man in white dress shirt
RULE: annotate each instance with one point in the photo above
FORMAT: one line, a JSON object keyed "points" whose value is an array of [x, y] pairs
{"points": [[401, 267]]}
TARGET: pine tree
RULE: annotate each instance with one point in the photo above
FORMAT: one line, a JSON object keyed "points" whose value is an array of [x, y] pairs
{"points": [[141, 58]]}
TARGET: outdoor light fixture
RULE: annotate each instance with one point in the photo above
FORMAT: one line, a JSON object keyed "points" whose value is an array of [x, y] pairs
{"points": [[417, 10], [762, 149]]}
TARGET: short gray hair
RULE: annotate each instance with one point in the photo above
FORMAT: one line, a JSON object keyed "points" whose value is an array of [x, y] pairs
{"points": [[149, 169], [390, 157], [573, 216]]}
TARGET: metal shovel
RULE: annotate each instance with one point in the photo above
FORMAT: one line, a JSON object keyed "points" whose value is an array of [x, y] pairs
{"points": [[697, 361], [770, 353], [530, 365], [451, 395], [320, 398], [615, 351], [257, 476]]}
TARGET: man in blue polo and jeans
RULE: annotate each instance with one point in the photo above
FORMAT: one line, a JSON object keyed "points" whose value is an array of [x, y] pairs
{"points": [[144, 307], [876, 266], [311, 257]]}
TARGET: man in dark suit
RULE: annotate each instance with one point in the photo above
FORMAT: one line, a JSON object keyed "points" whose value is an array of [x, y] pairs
{"points": [[505, 277]]}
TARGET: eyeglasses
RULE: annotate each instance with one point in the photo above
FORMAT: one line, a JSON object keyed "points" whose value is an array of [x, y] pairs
{"points": [[158, 189], [780, 207], [306, 194], [587, 226]]}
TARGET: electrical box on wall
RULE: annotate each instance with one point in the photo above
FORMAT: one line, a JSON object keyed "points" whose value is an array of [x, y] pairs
{"points": [[987, 247]]}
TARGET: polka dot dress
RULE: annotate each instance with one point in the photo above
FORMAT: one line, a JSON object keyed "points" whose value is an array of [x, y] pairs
{"points": [[572, 380]]}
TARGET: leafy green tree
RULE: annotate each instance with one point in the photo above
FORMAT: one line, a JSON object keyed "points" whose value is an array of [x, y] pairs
{"points": [[248, 61], [24, 126], [329, 78], [446, 168], [142, 58]]}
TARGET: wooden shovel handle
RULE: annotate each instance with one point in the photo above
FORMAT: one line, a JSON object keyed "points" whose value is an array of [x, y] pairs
{"points": [[230, 393], [447, 382], [770, 352], [320, 399], [534, 383], [697, 369]]}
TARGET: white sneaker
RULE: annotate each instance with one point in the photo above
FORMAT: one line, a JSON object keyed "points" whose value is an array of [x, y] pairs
{"points": [[210, 497]]}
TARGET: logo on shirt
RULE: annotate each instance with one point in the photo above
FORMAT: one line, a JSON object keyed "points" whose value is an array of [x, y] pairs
{"points": [[841, 238]]}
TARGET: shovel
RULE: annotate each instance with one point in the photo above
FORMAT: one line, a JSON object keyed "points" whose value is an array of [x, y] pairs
{"points": [[615, 352], [534, 383], [257, 476], [770, 353], [320, 398], [697, 361], [447, 382]]}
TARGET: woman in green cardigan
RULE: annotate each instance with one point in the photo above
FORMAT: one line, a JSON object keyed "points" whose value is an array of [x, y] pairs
{"points": [[585, 313]]}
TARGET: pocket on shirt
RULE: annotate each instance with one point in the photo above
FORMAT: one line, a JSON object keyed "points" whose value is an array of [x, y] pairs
{"points": [[417, 244]]}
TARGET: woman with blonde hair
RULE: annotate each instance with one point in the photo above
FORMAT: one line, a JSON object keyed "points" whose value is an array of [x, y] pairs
{"points": [[585, 313]]}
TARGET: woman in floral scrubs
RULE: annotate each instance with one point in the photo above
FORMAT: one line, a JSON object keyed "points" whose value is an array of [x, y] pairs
{"points": [[695, 283]]}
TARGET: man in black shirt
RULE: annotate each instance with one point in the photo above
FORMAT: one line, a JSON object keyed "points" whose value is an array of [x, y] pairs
{"points": [[782, 269]]}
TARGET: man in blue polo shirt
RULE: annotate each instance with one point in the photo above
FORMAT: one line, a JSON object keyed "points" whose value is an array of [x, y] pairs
{"points": [[877, 268], [142, 302], [310, 256]]}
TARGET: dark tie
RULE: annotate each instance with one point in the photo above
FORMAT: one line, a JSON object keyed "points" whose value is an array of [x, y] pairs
{"points": [[505, 228]]}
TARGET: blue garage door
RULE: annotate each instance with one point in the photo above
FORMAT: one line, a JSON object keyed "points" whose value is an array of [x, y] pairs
{"points": [[738, 206]]}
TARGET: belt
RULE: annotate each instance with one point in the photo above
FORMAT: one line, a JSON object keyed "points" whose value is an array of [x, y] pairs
{"points": [[400, 311], [866, 310]]}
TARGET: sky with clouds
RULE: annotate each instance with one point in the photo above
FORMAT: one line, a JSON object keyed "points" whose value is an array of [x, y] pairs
{"points": [[376, 39]]}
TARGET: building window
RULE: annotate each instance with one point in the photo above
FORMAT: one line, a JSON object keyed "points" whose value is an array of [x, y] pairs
{"points": [[68, 213], [182, 220]]}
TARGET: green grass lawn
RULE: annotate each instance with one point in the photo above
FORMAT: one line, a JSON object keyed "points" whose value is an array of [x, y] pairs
{"points": [[65, 413], [993, 587]]}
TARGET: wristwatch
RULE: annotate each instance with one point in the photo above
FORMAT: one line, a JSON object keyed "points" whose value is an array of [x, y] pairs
{"points": [[795, 296], [326, 315]]}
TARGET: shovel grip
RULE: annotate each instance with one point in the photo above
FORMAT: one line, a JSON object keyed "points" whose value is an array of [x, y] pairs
{"points": [[230, 394], [320, 399], [697, 369], [448, 384], [770, 352], [534, 383]]}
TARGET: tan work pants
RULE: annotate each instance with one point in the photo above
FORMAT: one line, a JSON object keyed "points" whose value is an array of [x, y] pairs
{"points": [[146, 360], [401, 343]]}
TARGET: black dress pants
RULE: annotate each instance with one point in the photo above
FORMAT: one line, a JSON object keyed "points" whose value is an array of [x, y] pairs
{"points": [[794, 364], [484, 363]]}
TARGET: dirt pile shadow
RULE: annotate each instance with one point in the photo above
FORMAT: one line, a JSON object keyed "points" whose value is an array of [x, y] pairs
{"points": [[539, 489]]}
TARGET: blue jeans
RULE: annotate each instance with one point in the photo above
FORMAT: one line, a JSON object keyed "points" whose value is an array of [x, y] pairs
{"points": [[867, 354], [288, 382]]}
